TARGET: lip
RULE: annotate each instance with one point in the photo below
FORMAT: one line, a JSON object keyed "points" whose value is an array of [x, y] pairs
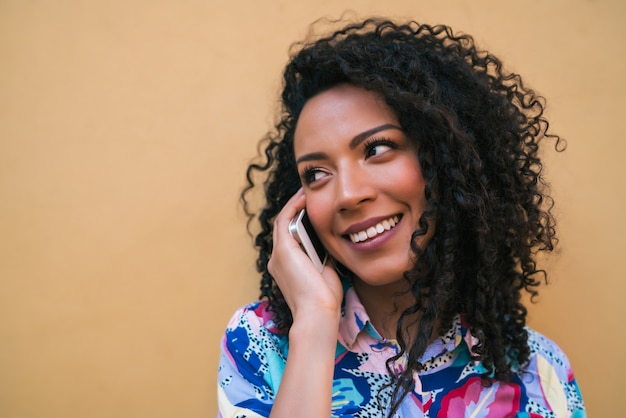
{"points": [[375, 242]]}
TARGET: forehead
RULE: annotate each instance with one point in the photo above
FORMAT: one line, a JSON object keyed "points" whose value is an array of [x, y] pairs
{"points": [[340, 113]]}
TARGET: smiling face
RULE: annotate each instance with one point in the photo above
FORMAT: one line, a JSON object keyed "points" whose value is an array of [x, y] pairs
{"points": [[363, 182]]}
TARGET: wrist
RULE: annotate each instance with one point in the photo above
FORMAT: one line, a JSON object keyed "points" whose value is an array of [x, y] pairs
{"points": [[315, 326]]}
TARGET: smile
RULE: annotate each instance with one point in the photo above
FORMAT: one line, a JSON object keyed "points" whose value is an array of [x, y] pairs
{"points": [[372, 231]]}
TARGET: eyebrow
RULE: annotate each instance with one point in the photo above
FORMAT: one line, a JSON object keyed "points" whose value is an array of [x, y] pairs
{"points": [[353, 143]]}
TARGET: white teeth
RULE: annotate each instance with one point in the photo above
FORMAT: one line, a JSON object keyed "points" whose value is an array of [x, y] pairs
{"points": [[372, 231]]}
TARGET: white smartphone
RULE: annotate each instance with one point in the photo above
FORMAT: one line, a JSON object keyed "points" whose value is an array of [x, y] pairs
{"points": [[301, 229]]}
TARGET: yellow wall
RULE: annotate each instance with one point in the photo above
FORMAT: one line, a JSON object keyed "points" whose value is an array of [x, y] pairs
{"points": [[125, 129]]}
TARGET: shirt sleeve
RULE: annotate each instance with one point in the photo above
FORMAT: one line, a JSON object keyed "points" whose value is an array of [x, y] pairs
{"points": [[251, 364]]}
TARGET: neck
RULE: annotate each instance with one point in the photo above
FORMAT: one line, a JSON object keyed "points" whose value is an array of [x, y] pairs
{"points": [[384, 305]]}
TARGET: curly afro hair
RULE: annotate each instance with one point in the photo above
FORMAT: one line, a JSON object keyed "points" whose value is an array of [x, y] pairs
{"points": [[478, 131]]}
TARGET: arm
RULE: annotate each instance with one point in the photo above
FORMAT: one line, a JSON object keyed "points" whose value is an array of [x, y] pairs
{"points": [[315, 303], [306, 387]]}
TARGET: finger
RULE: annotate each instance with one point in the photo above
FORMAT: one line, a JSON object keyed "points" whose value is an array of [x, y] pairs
{"points": [[329, 273], [294, 205]]}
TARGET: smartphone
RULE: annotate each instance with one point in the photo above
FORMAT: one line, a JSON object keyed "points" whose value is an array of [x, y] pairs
{"points": [[301, 229]]}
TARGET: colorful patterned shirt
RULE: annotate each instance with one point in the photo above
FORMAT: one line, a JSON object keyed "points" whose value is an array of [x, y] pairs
{"points": [[254, 355]]}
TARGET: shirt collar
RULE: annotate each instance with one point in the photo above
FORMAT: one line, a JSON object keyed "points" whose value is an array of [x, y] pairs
{"points": [[355, 321]]}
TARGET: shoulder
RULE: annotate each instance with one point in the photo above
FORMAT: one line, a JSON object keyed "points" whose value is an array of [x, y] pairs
{"points": [[254, 316], [540, 344], [549, 374], [545, 352], [252, 329]]}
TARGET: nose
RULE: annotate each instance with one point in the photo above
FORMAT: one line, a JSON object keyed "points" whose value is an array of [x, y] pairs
{"points": [[353, 188]]}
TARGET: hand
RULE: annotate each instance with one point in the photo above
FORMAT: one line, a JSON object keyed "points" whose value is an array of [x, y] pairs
{"points": [[306, 290]]}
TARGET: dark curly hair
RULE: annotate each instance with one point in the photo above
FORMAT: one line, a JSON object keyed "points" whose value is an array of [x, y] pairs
{"points": [[478, 129]]}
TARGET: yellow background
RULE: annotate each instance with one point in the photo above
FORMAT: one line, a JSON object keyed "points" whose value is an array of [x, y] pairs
{"points": [[125, 130]]}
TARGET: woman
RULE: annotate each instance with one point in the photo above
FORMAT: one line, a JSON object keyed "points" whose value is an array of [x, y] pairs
{"points": [[415, 156]]}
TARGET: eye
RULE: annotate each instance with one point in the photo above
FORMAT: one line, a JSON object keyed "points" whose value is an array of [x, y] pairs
{"points": [[311, 174], [378, 146]]}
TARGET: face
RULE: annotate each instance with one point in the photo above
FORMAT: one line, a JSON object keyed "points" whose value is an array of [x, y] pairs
{"points": [[362, 180]]}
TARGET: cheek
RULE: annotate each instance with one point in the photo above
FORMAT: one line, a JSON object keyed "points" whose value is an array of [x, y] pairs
{"points": [[320, 214], [405, 181], [414, 184]]}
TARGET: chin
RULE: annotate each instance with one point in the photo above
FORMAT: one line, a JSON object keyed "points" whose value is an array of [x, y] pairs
{"points": [[382, 277]]}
